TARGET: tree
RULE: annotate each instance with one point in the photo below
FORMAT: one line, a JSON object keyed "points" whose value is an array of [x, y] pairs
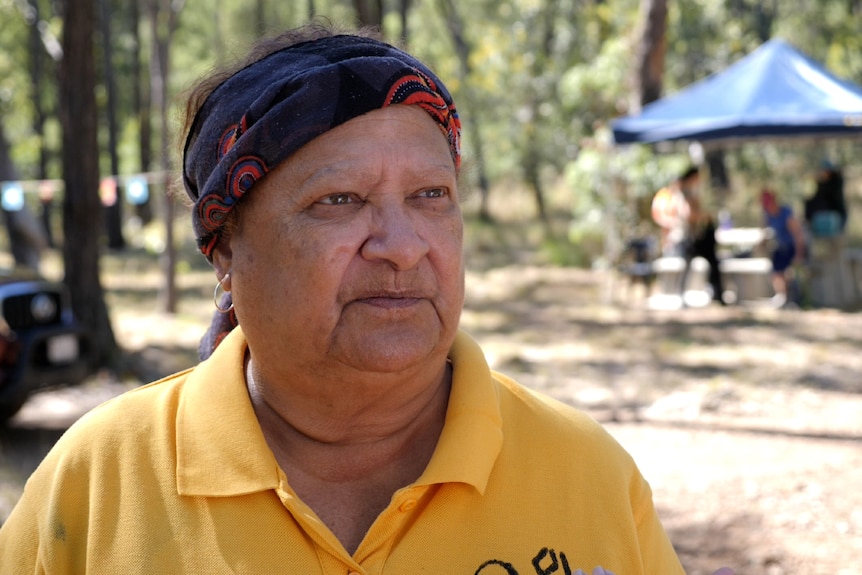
{"points": [[163, 23], [82, 209], [403, 11], [113, 211], [141, 108], [369, 12], [531, 156], [455, 25], [649, 54], [26, 237], [41, 43]]}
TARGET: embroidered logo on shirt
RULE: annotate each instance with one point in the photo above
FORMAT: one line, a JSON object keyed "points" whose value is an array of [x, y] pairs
{"points": [[546, 562]]}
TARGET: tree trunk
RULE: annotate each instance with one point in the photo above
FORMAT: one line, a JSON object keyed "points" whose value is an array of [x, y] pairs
{"points": [[531, 158], [403, 11], [37, 71], [163, 20], [765, 18], [218, 31], [81, 205], [534, 181], [369, 12], [113, 211], [26, 238], [260, 17], [719, 182], [455, 24], [142, 110], [650, 50]]}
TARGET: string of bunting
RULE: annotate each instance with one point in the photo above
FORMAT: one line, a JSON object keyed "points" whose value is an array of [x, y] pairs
{"points": [[136, 187]]}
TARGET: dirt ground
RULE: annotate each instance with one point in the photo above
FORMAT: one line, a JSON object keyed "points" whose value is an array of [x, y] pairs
{"points": [[747, 421]]}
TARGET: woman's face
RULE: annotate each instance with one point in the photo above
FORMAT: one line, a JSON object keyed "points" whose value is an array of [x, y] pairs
{"points": [[350, 251]]}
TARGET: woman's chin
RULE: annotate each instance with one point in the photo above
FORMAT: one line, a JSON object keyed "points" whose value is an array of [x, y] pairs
{"points": [[392, 350]]}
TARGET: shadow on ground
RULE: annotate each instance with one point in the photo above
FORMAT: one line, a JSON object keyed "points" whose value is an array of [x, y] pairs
{"points": [[705, 546]]}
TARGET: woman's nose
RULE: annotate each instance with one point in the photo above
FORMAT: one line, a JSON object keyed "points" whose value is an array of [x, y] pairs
{"points": [[394, 237]]}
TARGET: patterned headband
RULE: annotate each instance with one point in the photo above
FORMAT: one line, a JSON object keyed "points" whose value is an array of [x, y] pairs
{"points": [[265, 112]]}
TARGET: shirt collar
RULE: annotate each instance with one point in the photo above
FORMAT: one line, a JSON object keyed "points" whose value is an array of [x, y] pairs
{"points": [[473, 433], [221, 450]]}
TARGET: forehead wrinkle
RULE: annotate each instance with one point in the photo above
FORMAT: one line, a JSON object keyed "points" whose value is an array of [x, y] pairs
{"points": [[439, 169], [347, 171], [344, 173]]}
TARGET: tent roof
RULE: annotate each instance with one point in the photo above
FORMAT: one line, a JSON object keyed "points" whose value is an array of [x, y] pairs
{"points": [[774, 91]]}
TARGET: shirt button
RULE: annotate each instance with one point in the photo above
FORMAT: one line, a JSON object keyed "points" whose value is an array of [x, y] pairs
{"points": [[407, 505]]}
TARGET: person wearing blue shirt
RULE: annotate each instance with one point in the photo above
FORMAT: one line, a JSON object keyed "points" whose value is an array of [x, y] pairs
{"points": [[789, 242]]}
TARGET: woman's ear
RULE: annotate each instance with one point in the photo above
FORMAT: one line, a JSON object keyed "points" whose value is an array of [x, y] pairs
{"points": [[222, 258]]}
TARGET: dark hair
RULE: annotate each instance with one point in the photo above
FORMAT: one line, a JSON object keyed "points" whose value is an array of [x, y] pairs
{"points": [[690, 172]]}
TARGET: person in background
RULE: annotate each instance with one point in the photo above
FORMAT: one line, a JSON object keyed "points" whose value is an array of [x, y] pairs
{"points": [[341, 422], [789, 243], [670, 211], [826, 209], [688, 229]]}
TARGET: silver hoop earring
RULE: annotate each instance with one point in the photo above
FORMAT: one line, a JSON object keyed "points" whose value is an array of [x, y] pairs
{"points": [[219, 294]]}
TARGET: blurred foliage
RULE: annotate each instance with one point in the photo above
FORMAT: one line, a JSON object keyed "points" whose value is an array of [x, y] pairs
{"points": [[546, 78]]}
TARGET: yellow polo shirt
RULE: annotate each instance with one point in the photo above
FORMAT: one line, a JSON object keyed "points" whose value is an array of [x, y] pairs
{"points": [[176, 477]]}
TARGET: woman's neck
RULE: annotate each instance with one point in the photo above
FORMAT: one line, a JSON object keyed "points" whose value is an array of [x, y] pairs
{"points": [[378, 418], [347, 460]]}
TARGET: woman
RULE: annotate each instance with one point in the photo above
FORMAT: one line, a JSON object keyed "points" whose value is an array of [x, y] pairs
{"points": [[345, 425]]}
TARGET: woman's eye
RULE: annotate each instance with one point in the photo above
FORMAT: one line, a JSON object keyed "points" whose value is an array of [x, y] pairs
{"points": [[434, 193], [338, 199]]}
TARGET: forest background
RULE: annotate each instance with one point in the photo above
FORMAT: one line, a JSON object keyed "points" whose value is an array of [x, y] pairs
{"points": [[92, 88]]}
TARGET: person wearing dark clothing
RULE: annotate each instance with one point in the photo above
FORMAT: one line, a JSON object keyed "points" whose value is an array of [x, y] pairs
{"points": [[703, 244], [699, 239], [826, 210]]}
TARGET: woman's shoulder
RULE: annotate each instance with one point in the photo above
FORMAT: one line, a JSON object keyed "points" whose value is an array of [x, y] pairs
{"points": [[139, 415], [546, 417], [154, 398]]}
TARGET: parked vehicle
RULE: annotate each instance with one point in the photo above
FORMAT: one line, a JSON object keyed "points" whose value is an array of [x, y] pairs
{"points": [[41, 343]]}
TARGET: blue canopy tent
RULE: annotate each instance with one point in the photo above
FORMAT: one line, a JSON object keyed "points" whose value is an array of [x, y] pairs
{"points": [[775, 91]]}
